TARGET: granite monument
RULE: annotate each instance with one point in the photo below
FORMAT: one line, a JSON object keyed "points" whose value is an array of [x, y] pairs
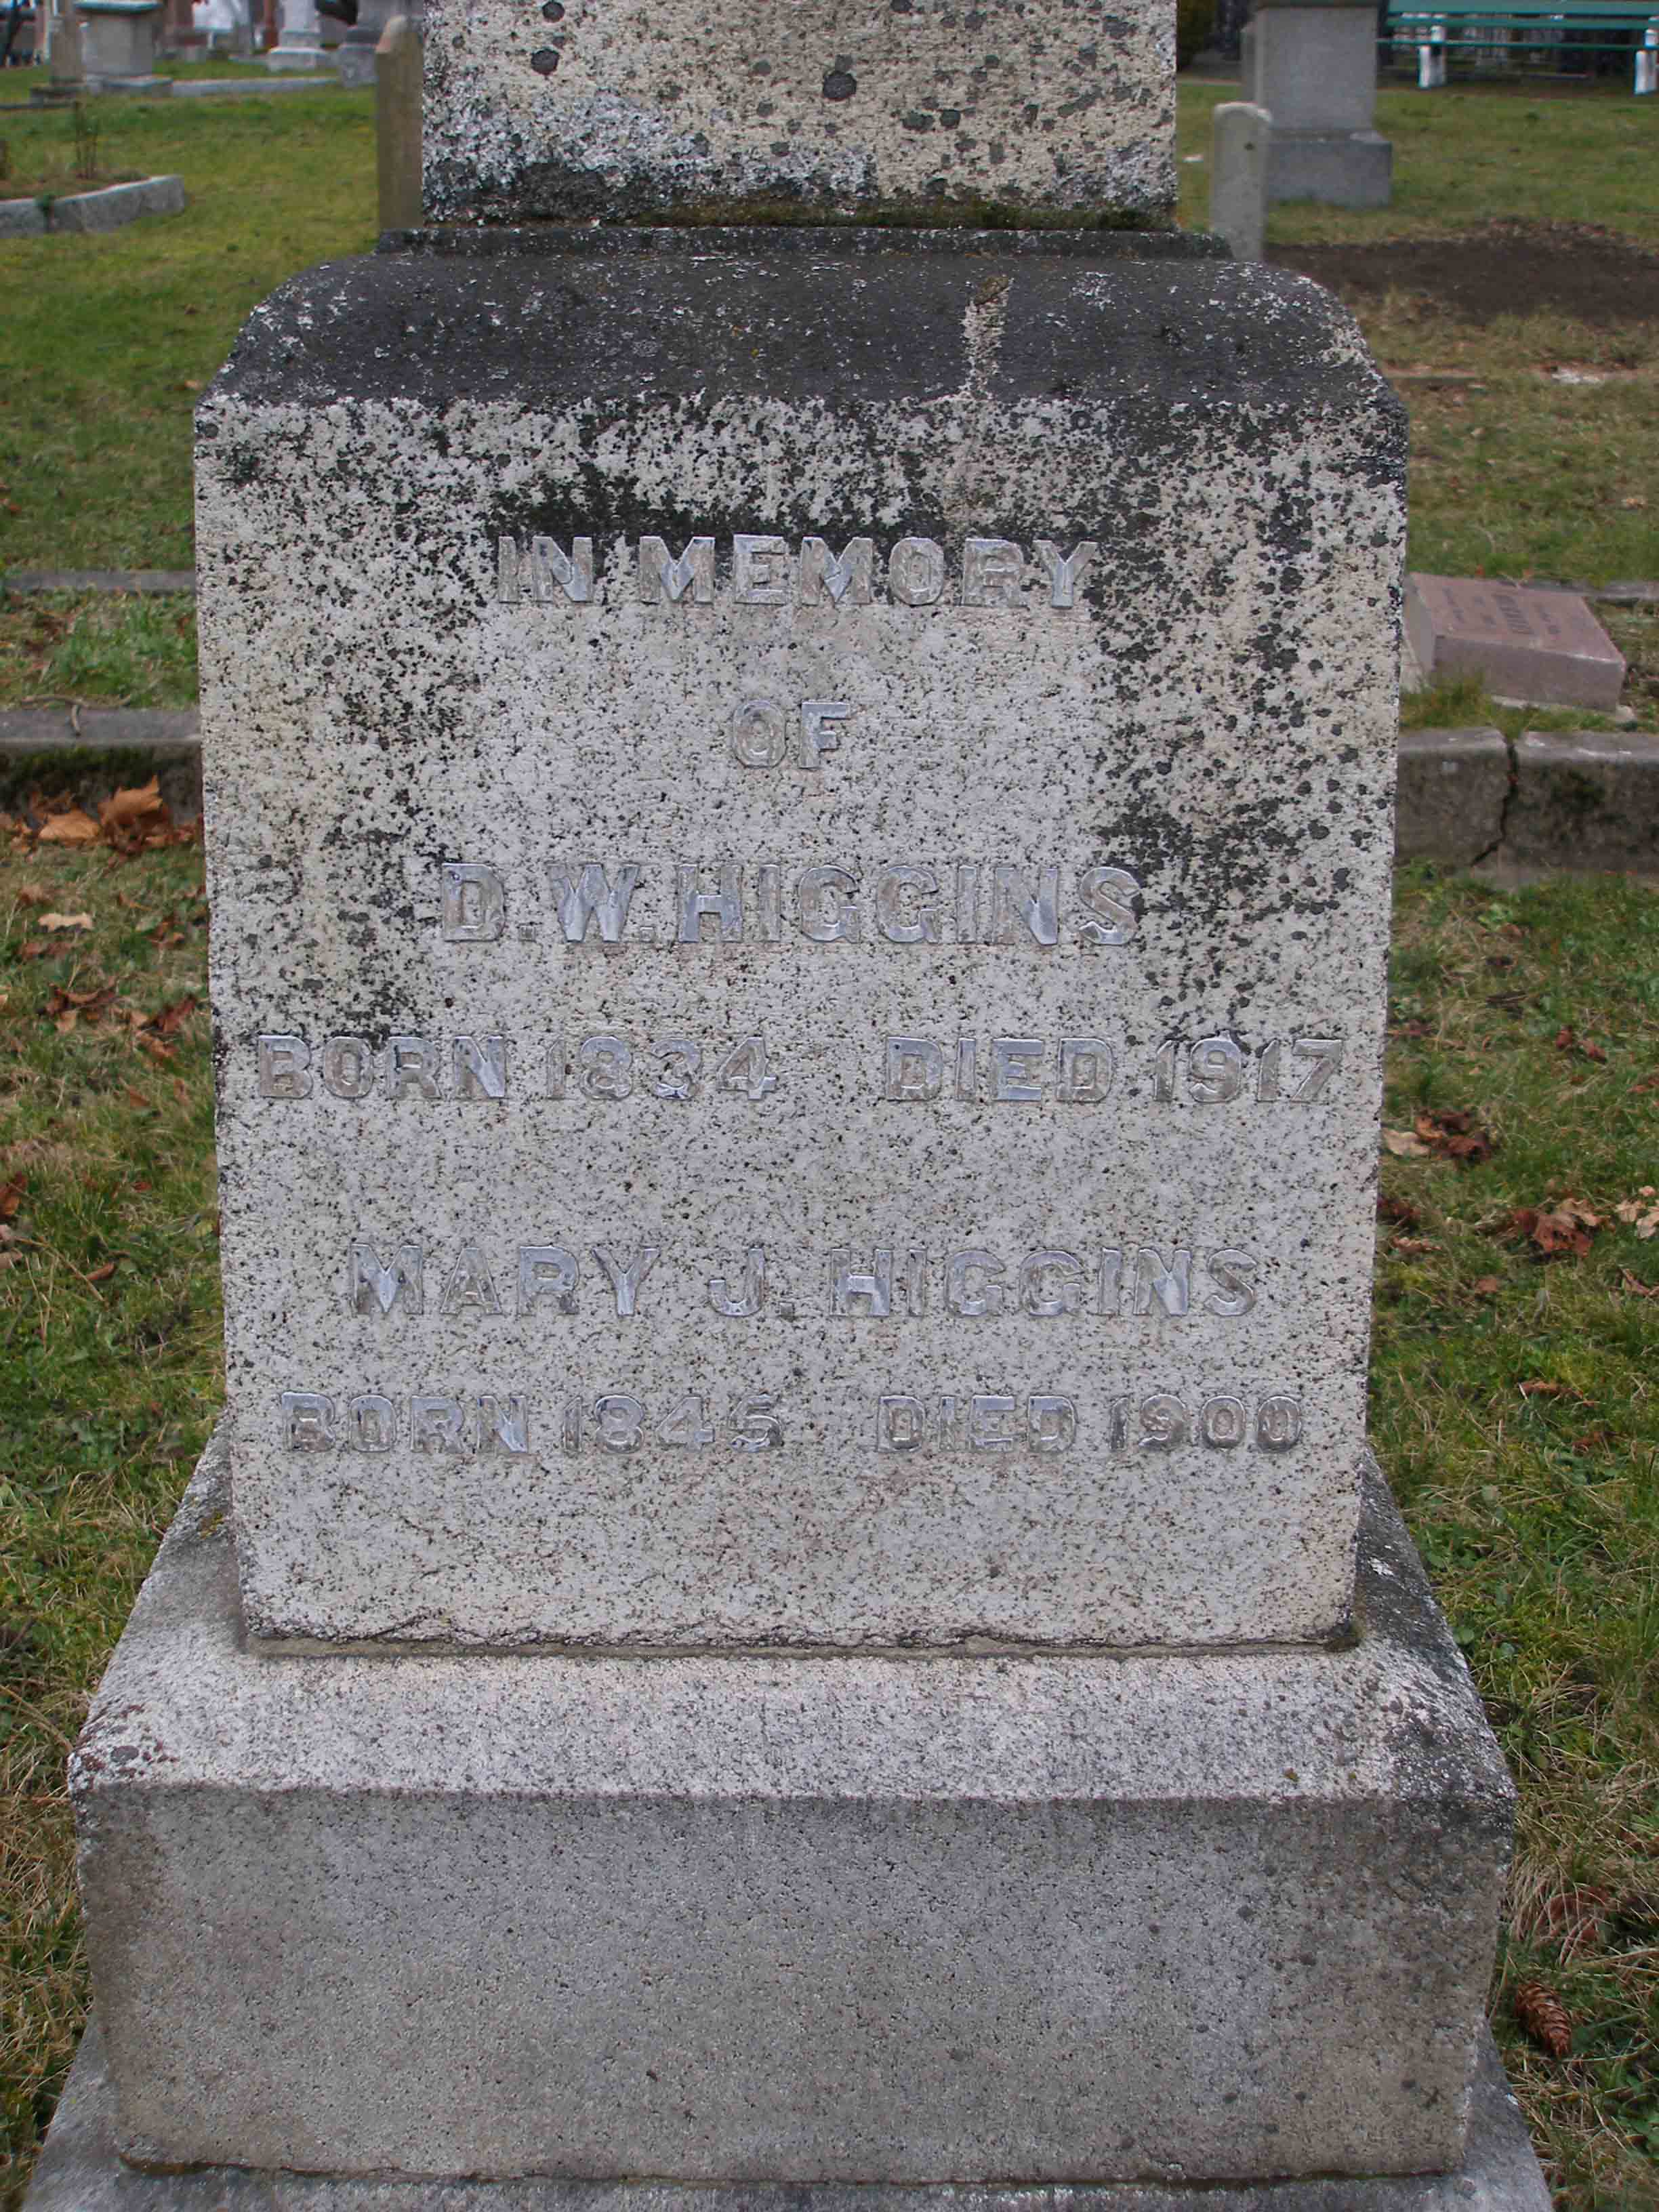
{"points": [[791, 1594]]}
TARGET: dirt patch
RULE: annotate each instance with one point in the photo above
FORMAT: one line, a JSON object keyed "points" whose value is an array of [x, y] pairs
{"points": [[1503, 269]]}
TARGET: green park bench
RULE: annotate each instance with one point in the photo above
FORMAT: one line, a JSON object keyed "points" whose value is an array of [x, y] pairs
{"points": [[1530, 32]]}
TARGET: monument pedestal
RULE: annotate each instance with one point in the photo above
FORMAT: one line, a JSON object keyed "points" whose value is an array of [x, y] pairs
{"points": [[849, 1919]]}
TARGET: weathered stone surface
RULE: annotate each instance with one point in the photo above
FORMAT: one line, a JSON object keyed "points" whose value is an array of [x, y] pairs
{"points": [[625, 109], [1585, 799], [1060, 1177], [1539, 646], [1454, 786], [80, 2170], [717, 1917]]}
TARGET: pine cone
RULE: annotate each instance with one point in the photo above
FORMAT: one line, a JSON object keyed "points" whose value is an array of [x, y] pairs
{"points": [[1544, 2017]]}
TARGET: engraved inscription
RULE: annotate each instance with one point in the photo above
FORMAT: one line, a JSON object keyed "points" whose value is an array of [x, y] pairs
{"points": [[606, 1068], [1050, 1422], [759, 569], [730, 900], [499, 1424], [393, 1276]]}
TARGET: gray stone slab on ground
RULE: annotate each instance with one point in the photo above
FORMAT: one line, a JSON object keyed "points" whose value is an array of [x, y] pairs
{"points": [[850, 1028], [111, 746], [1585, 799], [1063, 104], [740, 1918], [80, 2170], [251, 88], [1542, 646], [143, 583], [1454, 786], [117, 204]]}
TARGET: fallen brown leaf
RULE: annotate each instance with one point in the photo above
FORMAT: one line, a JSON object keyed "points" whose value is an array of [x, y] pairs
{"points": [[140, 807], [34, 948], [71, 827], [1399, 1210], [32, 894], [1592, 1440], [11, 1197], [1568, 1040], [66, 921], [1642, 1211], [1456, 1135], [1413, 1248], [171, 1019], [1487, 1286], [1405, 1146], [1567, 1226], [101, 1274], [1636, 1286]]}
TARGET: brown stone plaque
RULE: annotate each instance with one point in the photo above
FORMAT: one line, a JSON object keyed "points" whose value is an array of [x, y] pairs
{"points": [[1541, 646]]}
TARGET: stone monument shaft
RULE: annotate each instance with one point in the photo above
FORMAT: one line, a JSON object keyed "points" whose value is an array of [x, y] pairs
{"points": [[799, 710]]}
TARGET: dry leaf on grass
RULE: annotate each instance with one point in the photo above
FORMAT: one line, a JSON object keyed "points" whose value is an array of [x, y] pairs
{"points": [[1413, 1248], [1636, 1286], [66, 921], [32, 894], [1566, 1227], [1642, 1211], [11, 1197], [143, 807], [1397, 1210], [171, 1019], [1539, 1387], [1452, 1135], [1487, 1286], [101, 1274], [1404, 1145], [73, 828], [1568, 1040]]}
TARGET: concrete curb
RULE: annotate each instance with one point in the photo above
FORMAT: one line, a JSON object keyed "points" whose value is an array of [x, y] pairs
{"points": [[105, 209], [1586, 799], [96, 750]]}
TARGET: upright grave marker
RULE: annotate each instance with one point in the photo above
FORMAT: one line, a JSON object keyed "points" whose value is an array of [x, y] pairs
{"points": [[799, 831]]}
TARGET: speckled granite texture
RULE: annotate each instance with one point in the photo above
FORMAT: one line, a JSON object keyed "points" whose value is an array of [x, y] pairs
{"points": [[799, 841], [81, 2172], [616, 108], [738, 1919]]}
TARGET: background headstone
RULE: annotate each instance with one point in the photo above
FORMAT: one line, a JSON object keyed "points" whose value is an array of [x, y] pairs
{"points": [[1240, 145], [1541, 646], [398, 124], [1313, 66], [117, 44], [300, 46]]}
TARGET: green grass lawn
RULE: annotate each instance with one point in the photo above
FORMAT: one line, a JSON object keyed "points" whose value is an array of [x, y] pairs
{"points": [[106, 341]]}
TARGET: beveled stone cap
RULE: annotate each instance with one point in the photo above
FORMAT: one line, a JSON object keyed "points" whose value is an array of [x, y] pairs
{"points": [[753, 109]]}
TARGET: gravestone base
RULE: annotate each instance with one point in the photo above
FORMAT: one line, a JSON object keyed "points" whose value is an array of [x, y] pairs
{"points": [[746, 1919], [81, 2171], [1337, 169]]}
